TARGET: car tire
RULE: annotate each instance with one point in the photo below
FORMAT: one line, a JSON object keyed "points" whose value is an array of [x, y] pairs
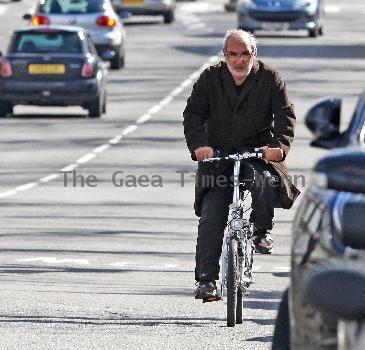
{"points": [[314, 32], [168, 17], [281, 339], [95, 108], [103, 109], [118, 60], [5, 109]]}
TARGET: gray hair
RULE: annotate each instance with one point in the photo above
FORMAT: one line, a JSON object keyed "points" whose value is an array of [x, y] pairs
{"points": [[239, 34]]}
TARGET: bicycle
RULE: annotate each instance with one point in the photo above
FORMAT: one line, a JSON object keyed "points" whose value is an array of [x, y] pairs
{"points": [[238, 248]]}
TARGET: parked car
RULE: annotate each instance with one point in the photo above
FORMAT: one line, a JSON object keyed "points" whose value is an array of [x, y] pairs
{"points": [[324, 307], [52, 66], [97, 16], [166, 8], [280, 15]]}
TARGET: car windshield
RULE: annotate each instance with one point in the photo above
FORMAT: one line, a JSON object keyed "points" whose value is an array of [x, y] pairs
{"points": [[71, 7], [47, 42]]}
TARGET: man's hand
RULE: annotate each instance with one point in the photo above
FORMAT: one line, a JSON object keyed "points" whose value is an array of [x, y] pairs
{"points": [[274, 154], [203, 153]]}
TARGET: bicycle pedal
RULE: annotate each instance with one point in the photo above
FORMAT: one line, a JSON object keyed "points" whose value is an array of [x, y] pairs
{"points": [[210, 299]]}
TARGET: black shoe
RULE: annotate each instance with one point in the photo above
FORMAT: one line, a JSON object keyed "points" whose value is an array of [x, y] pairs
{"points": [[263, 241], [206, 291]]}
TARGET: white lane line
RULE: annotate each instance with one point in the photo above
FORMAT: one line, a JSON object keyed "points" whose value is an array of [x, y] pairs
{"points": [[166, 101], [7, 194], [3, 9], [49, 178], [332, 9], [26, 186], [101, 148], [154, 109], [197, 26], [52, 260], [69, 167], [176, 91], [87, 157], [115, 140], [128, 130], [142, 119]]}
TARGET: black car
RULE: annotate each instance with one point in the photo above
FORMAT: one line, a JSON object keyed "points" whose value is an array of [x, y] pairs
{"points": [[52, 66], [324, 307]]}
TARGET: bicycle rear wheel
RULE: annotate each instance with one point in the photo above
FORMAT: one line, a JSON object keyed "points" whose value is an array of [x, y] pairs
{"points": [[232, 283]]}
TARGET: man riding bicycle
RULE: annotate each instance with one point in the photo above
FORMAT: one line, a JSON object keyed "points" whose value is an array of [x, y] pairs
{"points": [[236, 104]]}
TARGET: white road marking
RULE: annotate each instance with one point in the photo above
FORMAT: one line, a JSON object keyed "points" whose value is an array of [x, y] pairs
{"points": [[197, 26], [115, 140], [128, 130], [87, 157], [332, 9], [200, 7], [7, 194], [26, 186], [52, 260], [142, 119], [154, 109], [49, 178], [101, 148], [3, 9], [69, 167]]}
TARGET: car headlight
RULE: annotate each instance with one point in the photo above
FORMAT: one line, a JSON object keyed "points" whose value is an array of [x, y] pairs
{"points": [[250, 4]]}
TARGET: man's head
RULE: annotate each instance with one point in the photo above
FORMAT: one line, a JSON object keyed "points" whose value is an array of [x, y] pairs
{"points": [[240, 50]]}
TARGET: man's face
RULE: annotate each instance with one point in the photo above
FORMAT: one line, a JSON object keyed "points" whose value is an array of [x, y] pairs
{"points": [[239, 58]]}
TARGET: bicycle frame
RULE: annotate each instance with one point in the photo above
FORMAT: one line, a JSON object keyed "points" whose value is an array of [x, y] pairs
{"points": [[242, 235]]}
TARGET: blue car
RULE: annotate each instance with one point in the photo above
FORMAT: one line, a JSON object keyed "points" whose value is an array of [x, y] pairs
{"points": [[278, 15]]}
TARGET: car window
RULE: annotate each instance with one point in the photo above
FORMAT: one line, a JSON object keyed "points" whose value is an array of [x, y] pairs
{"points": [[91, 46], [69, 7], [47, 42]]}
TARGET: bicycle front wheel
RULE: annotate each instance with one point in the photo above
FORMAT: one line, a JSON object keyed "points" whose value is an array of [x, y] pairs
{"points": [[232, 282]]}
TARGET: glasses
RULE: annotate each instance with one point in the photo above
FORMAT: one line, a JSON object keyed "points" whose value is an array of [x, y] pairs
{"points": [[234, 55]]}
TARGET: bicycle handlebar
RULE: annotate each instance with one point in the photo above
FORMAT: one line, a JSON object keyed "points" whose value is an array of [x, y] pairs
{"points": [[245, 154]]}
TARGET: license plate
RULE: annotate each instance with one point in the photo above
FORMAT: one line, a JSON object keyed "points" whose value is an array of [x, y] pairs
{"points": [[132, 1], [46, 69], [275, 25]]}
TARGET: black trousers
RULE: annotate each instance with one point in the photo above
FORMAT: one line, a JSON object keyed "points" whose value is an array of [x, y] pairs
{"points": [[214, 215]]}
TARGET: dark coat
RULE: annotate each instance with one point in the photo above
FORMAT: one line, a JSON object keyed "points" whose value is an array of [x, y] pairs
{"points": [[261, 115]]}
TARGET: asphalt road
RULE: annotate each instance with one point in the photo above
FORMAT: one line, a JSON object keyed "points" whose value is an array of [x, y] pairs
{"points": [[111, 266]]}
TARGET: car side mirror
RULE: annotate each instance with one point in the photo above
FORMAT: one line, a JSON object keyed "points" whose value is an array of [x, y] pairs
{"points": [[27, 16], [323, 120]]}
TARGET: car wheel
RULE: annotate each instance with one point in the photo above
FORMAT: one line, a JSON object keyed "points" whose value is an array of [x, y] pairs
{"points": [[95, 108], [281, 339], [104, 103], [118, 60], [168, 16], [314, 32], [5, 108]]}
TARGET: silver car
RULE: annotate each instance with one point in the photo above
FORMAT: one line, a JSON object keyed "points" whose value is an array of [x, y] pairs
{"points": [[96, 16], [277, 15], [166, 8]]}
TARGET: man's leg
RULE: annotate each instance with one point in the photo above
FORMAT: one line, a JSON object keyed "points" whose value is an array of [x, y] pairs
{"points": [[264, 192], [213, 220]]}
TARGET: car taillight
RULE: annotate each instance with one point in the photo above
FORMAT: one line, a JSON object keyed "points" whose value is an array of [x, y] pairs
{"points": [[106, 21], [6, 68], [87, 70], [39, 20]]}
